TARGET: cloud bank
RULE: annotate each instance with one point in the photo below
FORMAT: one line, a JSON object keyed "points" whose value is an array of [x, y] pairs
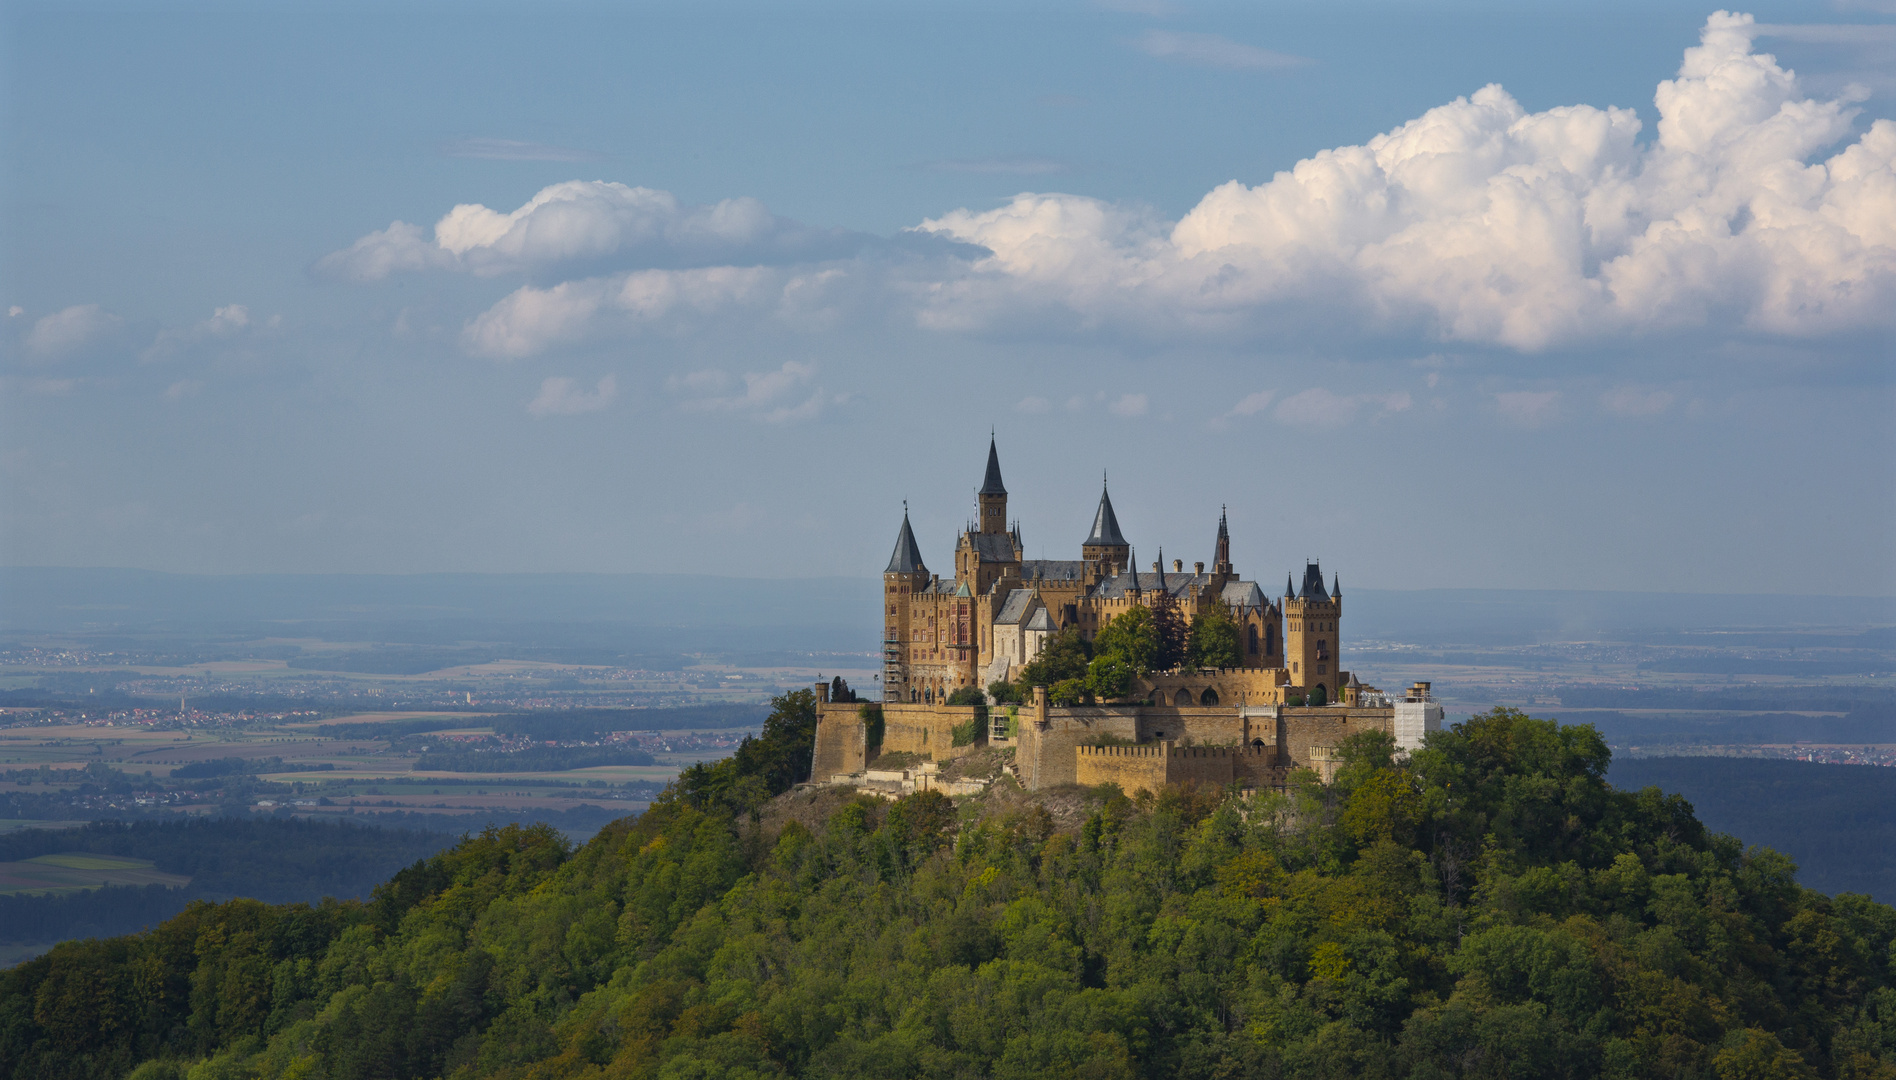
{"points": [[583, 220], [1483, 223], [1477, 223]]}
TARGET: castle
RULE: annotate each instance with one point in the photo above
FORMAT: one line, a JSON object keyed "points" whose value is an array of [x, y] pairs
{"points": [[1285, 705]]}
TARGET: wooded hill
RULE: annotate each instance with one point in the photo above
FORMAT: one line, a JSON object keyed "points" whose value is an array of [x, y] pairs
{"points": [[1490, 908]]}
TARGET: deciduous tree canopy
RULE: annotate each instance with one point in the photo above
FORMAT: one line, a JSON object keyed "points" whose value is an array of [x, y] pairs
{"points": [[1489, 907]]}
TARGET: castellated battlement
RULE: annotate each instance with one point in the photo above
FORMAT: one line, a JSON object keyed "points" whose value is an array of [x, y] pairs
{"points": [[1149, 767]]}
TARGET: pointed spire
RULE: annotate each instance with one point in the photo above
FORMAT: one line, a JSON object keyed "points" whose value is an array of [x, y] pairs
{"points": [[908, 555], [991, 484], [1221, 558], [1105, 523], [1132, 567], [1336, 585], [1162, 586], [1289, 590]]}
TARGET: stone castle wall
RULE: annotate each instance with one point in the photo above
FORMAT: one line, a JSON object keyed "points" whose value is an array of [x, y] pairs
{"points": [[1151, 767], [1248, 745], [842, 739]]}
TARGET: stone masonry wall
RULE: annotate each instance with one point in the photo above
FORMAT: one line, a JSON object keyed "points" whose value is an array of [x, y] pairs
{"points": [[1133, 768], [1306, 727]]}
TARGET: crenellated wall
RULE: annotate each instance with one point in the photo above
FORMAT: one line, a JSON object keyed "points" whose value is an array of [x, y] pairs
{"points": [[1152, 766], [1253, 745]]}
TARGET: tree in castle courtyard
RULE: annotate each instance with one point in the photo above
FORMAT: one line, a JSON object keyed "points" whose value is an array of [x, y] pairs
{"points": [[1169, 624], [1131, 639], [1213, 640], [1062, 657]]}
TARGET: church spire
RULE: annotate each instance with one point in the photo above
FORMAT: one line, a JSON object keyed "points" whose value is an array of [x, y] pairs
{"points": [[991, 484], [1221, 558], [1105, 524], [991, 500]]}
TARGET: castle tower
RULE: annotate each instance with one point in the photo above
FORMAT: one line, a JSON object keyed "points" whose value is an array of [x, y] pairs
{"points": [[1106, 544], [905, 574], [992, 498], [1311, 650], [1221, 554]]}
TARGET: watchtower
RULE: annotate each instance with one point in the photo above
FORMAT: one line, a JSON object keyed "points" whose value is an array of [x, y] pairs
{"points": [[1311, 642]]}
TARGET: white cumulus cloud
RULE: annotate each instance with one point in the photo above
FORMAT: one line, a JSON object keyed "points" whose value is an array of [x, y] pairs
{"points": [[574, 221], [1129, 405], [70, 330], [531, 318], [1482, 222], [561, 396]]}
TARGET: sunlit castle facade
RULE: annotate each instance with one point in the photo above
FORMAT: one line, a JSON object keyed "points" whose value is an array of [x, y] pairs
{"points": [[1286, 705], [990, 618]]}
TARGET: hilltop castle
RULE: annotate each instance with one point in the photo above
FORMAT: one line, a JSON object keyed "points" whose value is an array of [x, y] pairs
{"points": [[989, 620], [1285, 705]]}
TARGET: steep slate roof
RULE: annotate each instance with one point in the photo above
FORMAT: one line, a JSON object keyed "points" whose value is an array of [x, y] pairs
{"points": [[991, 485], [993, 547], [1177, 584], [1014, 608], [908, 556], [1105, 524], [1040, 621], [1052, 569], [1313, 583], [1243, 594]]}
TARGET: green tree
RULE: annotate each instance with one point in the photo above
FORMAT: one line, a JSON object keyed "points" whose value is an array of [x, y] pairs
{"points": [[1109, 677], [1168, 623], [1069, 692], [1131, 639], [767, 764], [967, 695], [1002, 692], [1213, 639], [1062, 656]]}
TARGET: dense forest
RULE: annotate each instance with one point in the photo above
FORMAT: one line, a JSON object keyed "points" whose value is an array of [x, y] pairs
{"points": [[1489, 907]]}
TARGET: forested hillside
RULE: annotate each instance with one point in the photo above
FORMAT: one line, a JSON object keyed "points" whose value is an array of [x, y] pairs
{"points": [[1490, 908]]}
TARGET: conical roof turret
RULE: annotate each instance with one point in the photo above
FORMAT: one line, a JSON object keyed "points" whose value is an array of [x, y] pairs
{"points": [[1105, 524], [908, 555], [991, 484]]}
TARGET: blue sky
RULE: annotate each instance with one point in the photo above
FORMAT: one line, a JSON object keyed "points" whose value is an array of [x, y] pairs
{"points": [[730, 282]]}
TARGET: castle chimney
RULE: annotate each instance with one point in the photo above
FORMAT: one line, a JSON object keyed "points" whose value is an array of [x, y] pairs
{"points": [[1178, 566], [1199, 569]]}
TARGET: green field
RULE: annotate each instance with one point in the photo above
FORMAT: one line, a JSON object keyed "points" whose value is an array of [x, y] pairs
{"points": [[73, 871]]}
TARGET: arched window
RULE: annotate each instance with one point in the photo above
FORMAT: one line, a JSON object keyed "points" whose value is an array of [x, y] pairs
{"points": [[1250, 638], [1270, 640], [1257, 742], [1182, 698], [1209, 697]]}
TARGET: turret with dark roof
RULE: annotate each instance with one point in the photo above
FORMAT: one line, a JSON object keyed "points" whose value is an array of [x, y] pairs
{"points": [[908, 555], [991, 484], [1221, 553], [1313, 583], [1105, 524]]}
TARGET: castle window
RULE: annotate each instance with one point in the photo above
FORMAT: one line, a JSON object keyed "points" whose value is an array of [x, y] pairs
{"points": [[1250, 638], [1323, 669]]}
